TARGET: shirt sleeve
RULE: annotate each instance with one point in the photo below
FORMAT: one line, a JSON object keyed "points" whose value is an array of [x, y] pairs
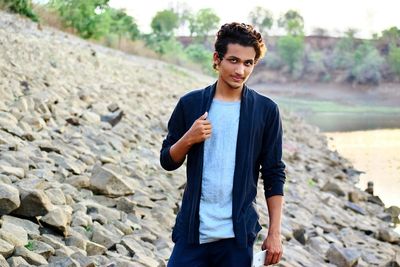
{"points": [[272, 166], [176, 129]]}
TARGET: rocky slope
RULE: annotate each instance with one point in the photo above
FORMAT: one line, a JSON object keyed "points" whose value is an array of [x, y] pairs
{"points": [[80, 183]]}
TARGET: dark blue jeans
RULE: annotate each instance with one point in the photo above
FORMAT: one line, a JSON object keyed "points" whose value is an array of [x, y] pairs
{"points": [[221, 253]]}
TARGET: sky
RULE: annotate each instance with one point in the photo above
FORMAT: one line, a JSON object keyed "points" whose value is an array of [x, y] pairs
{"points": [[367, 16]]}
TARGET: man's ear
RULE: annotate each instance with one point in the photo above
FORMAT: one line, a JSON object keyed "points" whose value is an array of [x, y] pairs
{"points": [[216, 59]]}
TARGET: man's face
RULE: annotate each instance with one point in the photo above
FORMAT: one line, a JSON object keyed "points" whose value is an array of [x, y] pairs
{"points": [[236, 66]]}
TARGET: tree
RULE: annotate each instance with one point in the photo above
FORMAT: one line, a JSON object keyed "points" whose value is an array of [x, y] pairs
{"points": [[292, 22], [203, 23], [164, 23], [88, 17], [261, 18], [122, 24], [394, 59], [290, 49], [23, 7]]}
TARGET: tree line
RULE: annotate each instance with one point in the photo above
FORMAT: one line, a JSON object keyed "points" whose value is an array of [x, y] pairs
{"points": [[362, 61]]}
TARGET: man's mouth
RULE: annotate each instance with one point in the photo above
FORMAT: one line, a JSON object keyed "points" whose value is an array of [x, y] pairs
{"points": [[237, 78]]}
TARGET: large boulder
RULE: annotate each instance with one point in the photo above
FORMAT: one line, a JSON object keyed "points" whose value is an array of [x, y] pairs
{"points": [[34, 202], [9, 199], [108, 182]]}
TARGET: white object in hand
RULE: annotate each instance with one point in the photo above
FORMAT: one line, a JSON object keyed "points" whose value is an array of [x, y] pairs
{"points": [[259, 259]]}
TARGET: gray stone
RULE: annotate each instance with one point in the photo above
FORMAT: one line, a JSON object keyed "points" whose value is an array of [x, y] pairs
{"points": [[76, 241], [42, 248], [300, 235], [14, 234], [63, 262], [126, 205], [354, 207], [3, 262], [29, 256], [388, 235], [9, 198], [6, 249], [334, 188], [106, 181], [346, 257], [319, 244], [56, 196], [59, 218], [8, 170], [83, 259], [33, 203], [93, 248], [104, 237], [17, 261], [31, 228]]}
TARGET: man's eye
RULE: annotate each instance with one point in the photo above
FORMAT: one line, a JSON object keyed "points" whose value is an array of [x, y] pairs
{"points": [[233, 60], [248, 63]]}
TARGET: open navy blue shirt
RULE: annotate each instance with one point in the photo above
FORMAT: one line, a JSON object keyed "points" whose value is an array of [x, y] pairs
{"points": [[258, 149]]}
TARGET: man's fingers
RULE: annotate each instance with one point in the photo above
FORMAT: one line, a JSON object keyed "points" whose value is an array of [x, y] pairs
{"points": [[204, 116], [275, 258], [268, 259]]}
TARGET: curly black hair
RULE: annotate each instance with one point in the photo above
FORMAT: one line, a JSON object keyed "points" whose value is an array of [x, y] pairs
{"points": [[239, 33]]}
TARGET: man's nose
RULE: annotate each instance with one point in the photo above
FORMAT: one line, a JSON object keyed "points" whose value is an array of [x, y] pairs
{"points": [[239, 69]]}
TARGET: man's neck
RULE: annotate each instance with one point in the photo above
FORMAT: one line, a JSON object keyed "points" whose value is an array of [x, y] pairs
{"points": [[226, 93]]}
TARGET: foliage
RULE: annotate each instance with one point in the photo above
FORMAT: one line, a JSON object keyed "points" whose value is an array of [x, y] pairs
{"points": [[273, 61], [394, 59], [199, 54], [30, 245], [367, 64], [292, 22], [23, 7], [343, 53], [122, 24], [164, 23], [203, 23], [89, 18], [391, 36], [261, 18], [290, 49]]}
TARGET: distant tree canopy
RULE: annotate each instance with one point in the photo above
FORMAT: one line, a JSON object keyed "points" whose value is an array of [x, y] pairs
{"points": [[164, 23], [202, 23], [292, 22], [23, 7], [261, 18], [95, 18]]}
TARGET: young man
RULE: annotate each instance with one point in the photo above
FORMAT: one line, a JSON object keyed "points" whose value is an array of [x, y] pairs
{"points": [[229, 134]]}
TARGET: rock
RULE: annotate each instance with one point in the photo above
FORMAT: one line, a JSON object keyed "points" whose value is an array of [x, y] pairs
{"points": [[56, 196], [300, 236], [388, 235], [64, 262], [17, 261], [93, 248], [104, 237], [126, 205], [59, 218], [8, 170], [345, 257], [354, 207], [76, 241], [42, 248], [376, 200], [109, 213], [334, 188], [9, 198], [113, 118], [14, 234], [319, 244], [3, 262], [29, 256], [105, 181], [31, 228], [33, 203], [394, 211], [6, 249], [83, 260]]}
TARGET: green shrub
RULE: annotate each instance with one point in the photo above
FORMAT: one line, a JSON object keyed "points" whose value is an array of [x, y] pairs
{"points": [[199, 54], [273, 61], [367, 64], [290, 49], [394, 59], [23, 7]]}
